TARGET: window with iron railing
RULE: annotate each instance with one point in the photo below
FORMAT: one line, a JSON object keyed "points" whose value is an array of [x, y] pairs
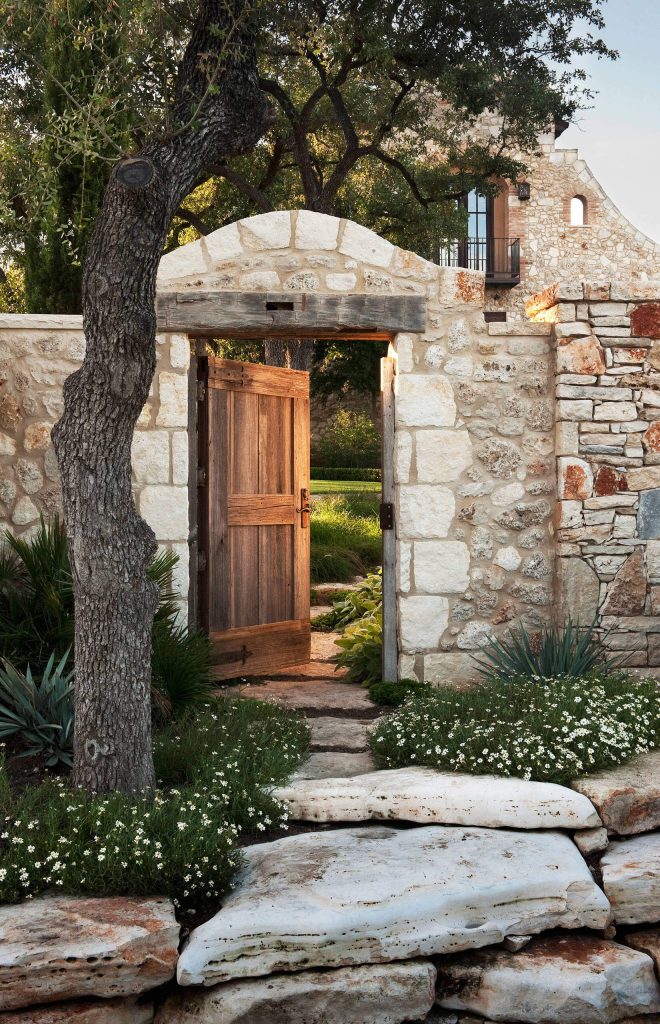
{"points": [[499, 258]]}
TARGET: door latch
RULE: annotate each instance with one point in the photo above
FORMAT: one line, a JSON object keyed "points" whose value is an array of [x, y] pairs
{"points": [[305, 509]]}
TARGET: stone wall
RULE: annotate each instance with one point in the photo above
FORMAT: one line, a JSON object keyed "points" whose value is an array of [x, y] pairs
{"points": [[476, 477], [608, 461], [37, 354]]}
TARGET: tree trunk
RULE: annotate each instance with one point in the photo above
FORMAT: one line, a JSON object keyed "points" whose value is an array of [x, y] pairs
{"points": [[111, 546], [294, 353]]}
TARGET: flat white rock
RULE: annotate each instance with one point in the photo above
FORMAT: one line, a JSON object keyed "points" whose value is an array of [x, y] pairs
{"points": [[376, 994], [576, 979], [631, 879], [627, 797], [424, 795], [376, 894]]}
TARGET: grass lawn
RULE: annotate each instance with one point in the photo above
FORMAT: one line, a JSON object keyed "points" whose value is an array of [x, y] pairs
{"points": [[346, 538], [345, 486]]}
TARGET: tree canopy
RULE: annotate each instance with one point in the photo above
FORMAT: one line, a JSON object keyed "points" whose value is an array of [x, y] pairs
{"points": [[377, 104]]}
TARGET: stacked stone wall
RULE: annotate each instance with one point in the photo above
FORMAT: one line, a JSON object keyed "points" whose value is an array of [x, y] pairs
{"points": [[608, 462], [37, 354]]}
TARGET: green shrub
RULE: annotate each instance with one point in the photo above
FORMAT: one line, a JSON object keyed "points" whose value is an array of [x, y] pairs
{"points": [[395, 694], [349, 439], [361, 646], [37, 616], [182, 841], [345, 537], [353, 604], [547, 729], [40, 711], [550, 651], [345, 473]]}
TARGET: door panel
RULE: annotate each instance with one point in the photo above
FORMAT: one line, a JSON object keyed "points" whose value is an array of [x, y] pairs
{"points": [[254, 587]]}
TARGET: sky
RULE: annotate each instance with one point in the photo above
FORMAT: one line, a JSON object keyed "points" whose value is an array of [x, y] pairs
{"points": [[620, 136]]}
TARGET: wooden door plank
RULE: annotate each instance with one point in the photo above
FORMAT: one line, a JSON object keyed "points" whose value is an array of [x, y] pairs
{"points": [[261, 510], [244, 576], [276, 564], [390, 651], [217, 572], [228, 374], [258, 650], [301, 557], [294, 312], [275, 444], [244, 446]]}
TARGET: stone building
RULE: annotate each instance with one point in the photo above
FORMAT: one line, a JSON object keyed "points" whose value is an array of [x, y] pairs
{"points": [[526, 448]]}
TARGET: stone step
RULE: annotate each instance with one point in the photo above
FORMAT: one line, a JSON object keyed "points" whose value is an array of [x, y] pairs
{"points": [[88, 1011], [59, 948], [370, 895], [423, 795], [631, 879], [576, 979], [348, 734], [377, 994], [312, 695], [627, 797], [334, 765]]}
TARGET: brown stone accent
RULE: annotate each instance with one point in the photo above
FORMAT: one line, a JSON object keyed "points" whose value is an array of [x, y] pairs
{"points": [[575, 483], [627, 592], [10, 412], [651, 438], [609, 481], [647, 941], [469, 287], [580, 355], [645, 320]]}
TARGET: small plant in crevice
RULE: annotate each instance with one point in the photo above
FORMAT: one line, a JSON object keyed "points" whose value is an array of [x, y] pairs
{"points": [[549, 651], [361, 646], [353, 604], [395, 694]]}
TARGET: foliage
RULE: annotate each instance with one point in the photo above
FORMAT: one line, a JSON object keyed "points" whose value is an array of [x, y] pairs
{"points": [[37, 616], [40, 711], [395, 694], [349, 439], [550, 651], [361, 646], [338, 367], [353, 604], [12, 290], [539, 728], [363, 473], [181, 842], [345, 536]]}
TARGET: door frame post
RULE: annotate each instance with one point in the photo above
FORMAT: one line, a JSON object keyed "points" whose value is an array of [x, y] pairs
{"points": [[390, 644]]}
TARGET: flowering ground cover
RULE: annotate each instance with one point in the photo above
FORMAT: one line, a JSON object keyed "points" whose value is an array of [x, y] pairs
{"points": [[214, 768], [552, 730]]}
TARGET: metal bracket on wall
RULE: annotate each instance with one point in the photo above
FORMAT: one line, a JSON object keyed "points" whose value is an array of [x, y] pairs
{"points": [[386, 515]]}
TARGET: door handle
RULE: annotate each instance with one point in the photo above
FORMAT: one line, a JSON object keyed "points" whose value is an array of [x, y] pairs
{"points": [[305, 509]]}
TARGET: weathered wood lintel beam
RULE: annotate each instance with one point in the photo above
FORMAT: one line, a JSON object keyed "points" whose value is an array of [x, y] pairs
{"points": [[290, 314]]}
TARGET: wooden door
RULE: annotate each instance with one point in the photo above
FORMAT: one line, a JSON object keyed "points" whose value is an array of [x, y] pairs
{"points": [[254, 516]]}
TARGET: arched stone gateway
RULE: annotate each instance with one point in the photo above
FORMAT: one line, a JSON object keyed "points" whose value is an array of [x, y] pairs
{"points": [[487, 417]]}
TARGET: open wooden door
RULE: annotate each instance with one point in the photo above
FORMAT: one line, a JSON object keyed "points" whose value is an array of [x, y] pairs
{"points": [[254, 515]]}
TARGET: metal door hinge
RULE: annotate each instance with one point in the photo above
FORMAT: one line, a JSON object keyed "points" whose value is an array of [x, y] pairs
{"points": [[201, 391], [201, 561], [386, 515], [201, 476]]}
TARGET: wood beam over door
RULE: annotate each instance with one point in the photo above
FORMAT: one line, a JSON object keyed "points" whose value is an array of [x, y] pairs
{"points": [[290, 314]]}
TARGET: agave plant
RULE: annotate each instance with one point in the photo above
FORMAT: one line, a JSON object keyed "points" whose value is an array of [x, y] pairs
{"points": [[39, 712], [547, 652]]}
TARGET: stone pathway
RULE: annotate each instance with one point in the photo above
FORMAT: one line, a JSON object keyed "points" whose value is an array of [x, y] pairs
{"points": [[339, 713]]}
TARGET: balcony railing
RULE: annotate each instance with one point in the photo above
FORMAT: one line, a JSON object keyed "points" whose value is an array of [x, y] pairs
{"points": [[498, 257]]}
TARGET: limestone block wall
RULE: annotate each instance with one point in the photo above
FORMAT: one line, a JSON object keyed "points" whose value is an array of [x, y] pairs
{"points": [[37, 354], [476, 484], [608, 461]]}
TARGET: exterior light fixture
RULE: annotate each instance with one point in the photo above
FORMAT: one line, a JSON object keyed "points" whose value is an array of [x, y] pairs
{"points": [[524, 190]]}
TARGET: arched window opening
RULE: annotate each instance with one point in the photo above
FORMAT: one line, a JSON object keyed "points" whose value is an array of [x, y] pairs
{"points": [[578, 211]]}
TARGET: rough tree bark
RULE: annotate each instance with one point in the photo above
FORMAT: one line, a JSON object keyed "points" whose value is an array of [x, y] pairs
{"points": [[111, 546], [294, 353]]}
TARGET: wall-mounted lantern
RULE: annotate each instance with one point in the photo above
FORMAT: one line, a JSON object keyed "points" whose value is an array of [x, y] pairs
{"points": [[524, 190]]}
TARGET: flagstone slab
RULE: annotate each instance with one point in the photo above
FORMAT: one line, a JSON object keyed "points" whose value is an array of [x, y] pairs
{"points": [[631, 879], [627, 797], [338, 733], [320, 694], [375, 994], [58, 948], [87, 1011], [576, 979], [375, 894], [334, 764], [423, 795]]}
